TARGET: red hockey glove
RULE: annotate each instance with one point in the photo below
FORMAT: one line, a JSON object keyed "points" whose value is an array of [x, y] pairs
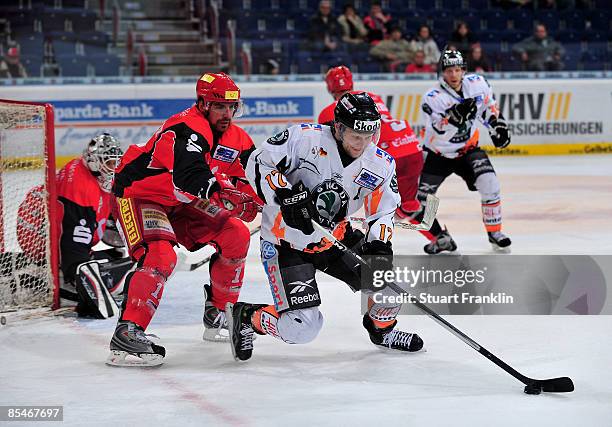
{"points": [[238, 204]]}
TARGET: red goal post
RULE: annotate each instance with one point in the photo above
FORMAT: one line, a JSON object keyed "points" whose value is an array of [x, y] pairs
{"points": [[29, 240]]}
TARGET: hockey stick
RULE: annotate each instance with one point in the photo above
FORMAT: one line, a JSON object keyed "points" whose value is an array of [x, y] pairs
{"points": [[431, 208], [199, 264], [532, 386]]}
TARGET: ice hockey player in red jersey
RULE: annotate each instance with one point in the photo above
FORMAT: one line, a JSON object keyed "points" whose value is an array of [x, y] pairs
{"points": [[396, 137], [84, 204], [175, 189], [313, 172]]}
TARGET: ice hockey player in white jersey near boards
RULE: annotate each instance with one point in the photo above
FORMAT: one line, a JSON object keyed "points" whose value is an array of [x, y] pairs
{"points": [[313, 172], [451, 140]]}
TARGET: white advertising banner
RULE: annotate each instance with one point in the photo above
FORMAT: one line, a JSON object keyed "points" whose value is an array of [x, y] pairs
{"points": [[546, 116]]}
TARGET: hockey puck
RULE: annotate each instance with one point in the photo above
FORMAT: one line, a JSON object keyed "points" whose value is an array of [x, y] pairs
{"points": [[2, 320], [533, 389]]}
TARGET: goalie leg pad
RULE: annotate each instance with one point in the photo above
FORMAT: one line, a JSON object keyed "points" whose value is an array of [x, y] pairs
{"points": [[94, 297], [145, 285]]}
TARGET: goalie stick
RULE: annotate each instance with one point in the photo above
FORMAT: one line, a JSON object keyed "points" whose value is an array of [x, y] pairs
{"points": [[532, 386], [429, 214]]}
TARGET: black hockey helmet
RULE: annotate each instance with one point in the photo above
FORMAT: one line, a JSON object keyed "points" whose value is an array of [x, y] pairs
{"points": [[358, 111], [451, 58]]}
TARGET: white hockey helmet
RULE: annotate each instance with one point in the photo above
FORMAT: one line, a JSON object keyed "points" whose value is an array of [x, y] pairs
{"points": [[101, 157]]}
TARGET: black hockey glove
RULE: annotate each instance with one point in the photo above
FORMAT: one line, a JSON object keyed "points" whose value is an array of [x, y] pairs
{"points": [[297, 208], [499, 132], [379, 257], [459, 113]]}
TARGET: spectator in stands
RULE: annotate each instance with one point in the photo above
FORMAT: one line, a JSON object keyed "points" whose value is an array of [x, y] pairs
{"points": [[377, 23], [476, 61], [418, 65], [425, 42], [324, 30], [462, 38], [11, 66], [540, 52], [394, 52], [353, 30], [271, 67]]}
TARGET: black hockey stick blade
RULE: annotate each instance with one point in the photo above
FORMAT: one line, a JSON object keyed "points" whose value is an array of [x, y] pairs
{"points": [[552, 385]]}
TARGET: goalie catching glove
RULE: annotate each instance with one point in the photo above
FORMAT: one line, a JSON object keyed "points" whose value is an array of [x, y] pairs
{"points": [[237, 203]]}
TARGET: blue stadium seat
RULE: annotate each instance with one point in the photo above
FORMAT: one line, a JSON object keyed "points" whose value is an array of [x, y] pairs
{"points": [[73, 4], [478, 4], [105, 65], [55, 21], [236, 4], [513, 36], [496, 20], [368, 67], [83, 21], [600, 21], [32, 64], [442, 25], [453, 5], [574, 19], [603, 5], [21, 22], [65, 45], [31, 44], [592, 65], [424, 4], [72, 65], [568, 36]]}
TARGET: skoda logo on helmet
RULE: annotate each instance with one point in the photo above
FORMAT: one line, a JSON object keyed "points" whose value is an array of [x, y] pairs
{"points": [[366, 125]]}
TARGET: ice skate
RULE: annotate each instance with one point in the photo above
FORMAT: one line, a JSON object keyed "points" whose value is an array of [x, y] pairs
{"points": [[215, 323], [392, 338], [130, 346], [443, 242], [240, 329], [499, 241]]}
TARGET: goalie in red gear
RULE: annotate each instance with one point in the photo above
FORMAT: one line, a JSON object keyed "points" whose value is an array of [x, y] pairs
{"points": [[396, 138], [84, 204], [185, 185]]}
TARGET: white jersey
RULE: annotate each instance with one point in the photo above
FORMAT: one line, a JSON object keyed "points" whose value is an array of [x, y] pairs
{"points": [[309, 153], [441, 136]]}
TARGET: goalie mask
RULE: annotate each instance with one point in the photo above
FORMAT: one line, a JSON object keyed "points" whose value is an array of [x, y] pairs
{"points": [[359, 113], [101, 157], [219, 88]]}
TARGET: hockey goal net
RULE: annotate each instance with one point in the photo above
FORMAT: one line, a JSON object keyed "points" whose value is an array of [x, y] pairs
{"points": [[28, 228]]}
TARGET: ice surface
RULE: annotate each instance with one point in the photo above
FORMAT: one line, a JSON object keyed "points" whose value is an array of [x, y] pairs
{"points": [[551, 205]]}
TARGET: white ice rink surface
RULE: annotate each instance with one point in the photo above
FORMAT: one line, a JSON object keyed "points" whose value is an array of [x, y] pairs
{"points": [[552, 205]]}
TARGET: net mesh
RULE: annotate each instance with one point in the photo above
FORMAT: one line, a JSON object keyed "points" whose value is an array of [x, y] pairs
{"points": [[26, 281]]}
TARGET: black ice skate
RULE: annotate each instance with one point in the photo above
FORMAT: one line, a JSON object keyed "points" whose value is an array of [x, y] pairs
{"points": [[215, 323], [240, 328], [500, 241], [391, 338], [443, 242], [130, 340]]}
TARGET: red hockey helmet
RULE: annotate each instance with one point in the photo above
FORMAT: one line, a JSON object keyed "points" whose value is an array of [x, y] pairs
{"points": [[339, 79], [219, 87]]}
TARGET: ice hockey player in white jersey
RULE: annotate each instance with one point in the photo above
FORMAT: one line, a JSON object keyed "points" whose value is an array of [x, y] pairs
{"points": [[451, 140], [313, 172]]}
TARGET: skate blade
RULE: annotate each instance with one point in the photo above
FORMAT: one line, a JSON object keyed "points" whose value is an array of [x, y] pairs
{"points": [[125, 359], [229, 315], [501, 250], [395, 351]]}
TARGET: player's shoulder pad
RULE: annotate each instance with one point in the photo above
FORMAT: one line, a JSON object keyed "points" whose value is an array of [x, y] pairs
{"points": [[236, 137], [196, 139], [378, 160], [475, 80], [79, 185], [433, 101]]}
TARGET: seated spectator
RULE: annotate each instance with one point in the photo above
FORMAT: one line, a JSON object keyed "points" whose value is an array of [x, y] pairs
{"points": [[476, 61], [353, 30], [394, 51], [418, 65], [462, 38], [324, 31], [271, 67], [540, 52], [377, 23], [425, 42], [11, 66]]}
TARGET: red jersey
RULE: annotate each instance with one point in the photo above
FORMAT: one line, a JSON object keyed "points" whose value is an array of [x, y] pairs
{"points": [[178, 164], [396, 136]]}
